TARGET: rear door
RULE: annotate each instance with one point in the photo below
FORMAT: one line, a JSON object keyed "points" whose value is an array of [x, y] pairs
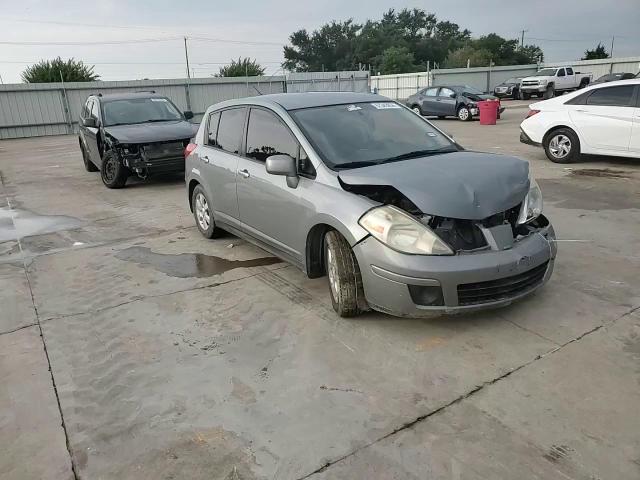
{"points": [[446, 101], [219, 161], [268, 206], [605, 119], [428, 101]]}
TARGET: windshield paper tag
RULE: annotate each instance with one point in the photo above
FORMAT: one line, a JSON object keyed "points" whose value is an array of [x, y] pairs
{"points": [[353, 108], [158, 99], [385, 105]]}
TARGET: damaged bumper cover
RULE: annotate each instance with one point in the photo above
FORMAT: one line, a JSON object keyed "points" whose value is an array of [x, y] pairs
{"points": [[153, 157], [419, 285]]}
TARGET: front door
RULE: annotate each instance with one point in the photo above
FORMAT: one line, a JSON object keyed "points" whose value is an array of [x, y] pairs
{"points": [[90, 134], [446, 102], [605, 120], [219, 161], [269, 208], [634, 144]]}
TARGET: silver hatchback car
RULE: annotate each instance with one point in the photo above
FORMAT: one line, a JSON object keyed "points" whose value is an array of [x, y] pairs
{"points": [[399, 217]]}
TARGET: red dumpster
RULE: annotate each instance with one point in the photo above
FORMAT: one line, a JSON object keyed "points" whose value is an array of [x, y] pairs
{"points": [[488, 112]]}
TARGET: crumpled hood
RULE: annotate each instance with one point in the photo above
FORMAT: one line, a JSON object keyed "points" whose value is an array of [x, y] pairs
{"points": [[152, 132], [464, 185], [477, 97]]}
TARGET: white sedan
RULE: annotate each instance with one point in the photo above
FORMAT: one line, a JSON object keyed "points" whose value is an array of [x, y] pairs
{"points": [[601, 120]]}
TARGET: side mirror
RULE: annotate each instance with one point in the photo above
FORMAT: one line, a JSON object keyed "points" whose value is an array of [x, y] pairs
{"points": [[188, 114], [90, 122], [453, 95], [283, 165]]}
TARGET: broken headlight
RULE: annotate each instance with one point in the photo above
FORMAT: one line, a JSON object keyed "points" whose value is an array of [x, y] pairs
{"points": [[532, 204], [402, 232]]}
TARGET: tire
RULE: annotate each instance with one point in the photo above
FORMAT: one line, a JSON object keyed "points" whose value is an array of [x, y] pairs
{"points": [[464, 114], [416, 109], [343, 273], [202, 214], [113, 173], [562, 146], [516, 94], [549, 92], [525, 96], [89, 166]]}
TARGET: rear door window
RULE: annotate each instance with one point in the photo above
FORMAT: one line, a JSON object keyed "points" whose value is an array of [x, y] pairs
{"points": [[230, 129], [212, 129], [569, 71], [612, 96], [446, 92], [267, 135]]}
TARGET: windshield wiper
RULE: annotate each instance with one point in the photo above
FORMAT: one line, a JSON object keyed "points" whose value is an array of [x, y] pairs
{"points": [[418, 153], [367, 163], [159, 120]]}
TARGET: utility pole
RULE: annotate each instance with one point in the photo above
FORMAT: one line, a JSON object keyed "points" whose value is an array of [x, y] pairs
{"points": [[522, 39], [613, 39], [1, 81], [186, 56]]}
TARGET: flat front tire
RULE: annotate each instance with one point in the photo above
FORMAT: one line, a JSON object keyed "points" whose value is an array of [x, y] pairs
{"points": [[343, 273], [562, 146], [113, 173], [203, 214]]}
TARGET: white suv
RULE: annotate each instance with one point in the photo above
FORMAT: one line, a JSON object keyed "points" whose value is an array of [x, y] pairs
{"points": [[601, 119]]}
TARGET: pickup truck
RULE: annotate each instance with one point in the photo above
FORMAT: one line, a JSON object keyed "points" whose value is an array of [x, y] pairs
{"points": [[547, 82]]}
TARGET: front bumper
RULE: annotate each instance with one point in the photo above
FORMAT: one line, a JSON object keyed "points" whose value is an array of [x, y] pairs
{"points": [[393, 281], [533, 88]]}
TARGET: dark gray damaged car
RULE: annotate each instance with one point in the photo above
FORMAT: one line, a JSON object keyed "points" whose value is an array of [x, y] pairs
{"points": [[399, 217]]}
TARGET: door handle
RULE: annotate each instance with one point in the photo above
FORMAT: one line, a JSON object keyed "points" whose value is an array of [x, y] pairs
{"points": [[245, 173], [205, 159]]}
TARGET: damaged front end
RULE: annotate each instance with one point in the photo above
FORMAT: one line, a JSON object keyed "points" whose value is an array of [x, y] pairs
{"points": [[145, 159]]}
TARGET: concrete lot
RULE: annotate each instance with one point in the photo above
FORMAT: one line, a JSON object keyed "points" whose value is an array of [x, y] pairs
{"points": [[130, 350]]}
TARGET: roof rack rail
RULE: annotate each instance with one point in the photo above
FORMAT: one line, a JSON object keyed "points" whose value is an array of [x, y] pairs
{"points": [[145, 91]]}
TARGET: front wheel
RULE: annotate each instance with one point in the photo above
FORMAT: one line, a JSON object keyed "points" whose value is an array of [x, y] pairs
{"points": [[464, 114], [526, 95], [114, 174], [417, 110], [562, 146], [345, 280], [549, 92]]}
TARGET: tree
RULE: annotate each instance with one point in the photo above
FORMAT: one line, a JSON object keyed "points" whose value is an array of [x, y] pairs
{"points": [[476, 57], [596, 53], [403, 39], [398, 60], [56, 70], [243, 67]]}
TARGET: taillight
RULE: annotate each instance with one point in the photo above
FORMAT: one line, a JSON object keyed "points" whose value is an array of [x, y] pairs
{"points": [[531, 113], [189, 149]]}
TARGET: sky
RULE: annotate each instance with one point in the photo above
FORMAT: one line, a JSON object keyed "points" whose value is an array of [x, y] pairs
{"points": [[219, 31]]}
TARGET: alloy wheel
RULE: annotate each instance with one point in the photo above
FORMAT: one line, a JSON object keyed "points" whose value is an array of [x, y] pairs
{"points": [[202, 212], [463, 113], [332, 272], [560, 146], [416, 110]]}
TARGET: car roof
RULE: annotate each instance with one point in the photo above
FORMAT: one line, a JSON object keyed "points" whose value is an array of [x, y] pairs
{"points": [[294, 101], [125, 95]]}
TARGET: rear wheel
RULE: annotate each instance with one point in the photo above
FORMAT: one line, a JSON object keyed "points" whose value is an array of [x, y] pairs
{"points": [[114, 174], [464, 114], [88, 164], [345, 280], [562, 146], [203, 214]]}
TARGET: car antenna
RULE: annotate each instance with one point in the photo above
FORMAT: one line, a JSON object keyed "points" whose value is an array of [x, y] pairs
{"points": [[256, 89]]}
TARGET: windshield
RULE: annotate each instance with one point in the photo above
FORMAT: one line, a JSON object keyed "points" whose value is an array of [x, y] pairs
{"points": [[468, 89], [139, 110], [512, 80], [362, 134], [547, 72]]}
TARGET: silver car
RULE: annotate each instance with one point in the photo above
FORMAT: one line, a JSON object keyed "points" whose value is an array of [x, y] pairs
{"points": [[357, 187]]}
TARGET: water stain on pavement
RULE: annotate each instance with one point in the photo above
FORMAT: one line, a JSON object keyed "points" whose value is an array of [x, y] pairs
{"points": [[189, 265], [19, 223], [599, 172]]}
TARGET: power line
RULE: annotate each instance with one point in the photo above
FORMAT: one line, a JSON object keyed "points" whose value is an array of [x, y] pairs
{"points": [[108, 42], [224, 40]]}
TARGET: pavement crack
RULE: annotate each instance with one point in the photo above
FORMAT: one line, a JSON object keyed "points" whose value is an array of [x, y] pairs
{"points": [[530, 331], [19, 328], [46, 352], [466, 395]]}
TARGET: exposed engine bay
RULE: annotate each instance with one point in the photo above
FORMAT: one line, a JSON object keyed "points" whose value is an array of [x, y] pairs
{"points": [[460, 234]]}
